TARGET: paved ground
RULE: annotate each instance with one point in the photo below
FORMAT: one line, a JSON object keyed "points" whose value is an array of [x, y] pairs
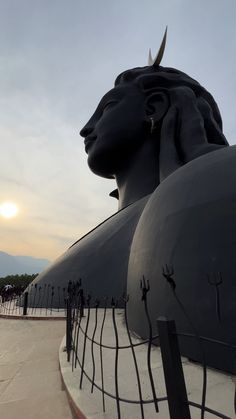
{"points": [[30, 383]]}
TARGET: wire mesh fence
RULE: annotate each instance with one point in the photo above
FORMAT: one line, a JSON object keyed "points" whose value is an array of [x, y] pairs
{"points": [[106, 365]]}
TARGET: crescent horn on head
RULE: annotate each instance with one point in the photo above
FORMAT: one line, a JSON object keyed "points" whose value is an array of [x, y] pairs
{"points": [[156, 62]]}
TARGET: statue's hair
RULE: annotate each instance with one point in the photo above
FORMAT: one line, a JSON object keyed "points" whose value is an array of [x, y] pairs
{"points": [[150, 79]]}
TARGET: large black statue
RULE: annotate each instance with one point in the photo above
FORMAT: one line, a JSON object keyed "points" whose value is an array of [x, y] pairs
{"points": [[159, 134]]}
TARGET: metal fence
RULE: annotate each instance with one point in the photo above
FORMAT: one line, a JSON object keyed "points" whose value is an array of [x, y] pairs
{"points": [[85, 327], [46, 300]]}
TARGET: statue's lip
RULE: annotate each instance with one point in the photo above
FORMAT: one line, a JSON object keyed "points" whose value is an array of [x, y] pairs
{"points": [[88, 141]]}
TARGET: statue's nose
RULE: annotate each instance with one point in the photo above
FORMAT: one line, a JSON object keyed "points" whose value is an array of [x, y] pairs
{"points": [[86, 131]]}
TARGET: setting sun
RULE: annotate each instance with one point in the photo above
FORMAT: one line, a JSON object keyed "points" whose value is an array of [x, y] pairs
{"points": [[8, 209]]}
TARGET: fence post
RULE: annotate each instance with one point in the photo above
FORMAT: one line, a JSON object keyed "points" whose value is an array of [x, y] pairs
{"points": [[81, 302], [173, 371], [68, 328], [25, 303]]}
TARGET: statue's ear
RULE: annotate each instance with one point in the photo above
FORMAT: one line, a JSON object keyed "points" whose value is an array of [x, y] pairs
{"points": [[157, 104]]}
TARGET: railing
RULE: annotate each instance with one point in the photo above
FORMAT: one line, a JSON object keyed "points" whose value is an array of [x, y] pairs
{"points": [[46, 300], [86, 348]]}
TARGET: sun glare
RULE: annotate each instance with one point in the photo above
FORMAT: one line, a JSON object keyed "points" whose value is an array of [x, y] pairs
{"points": [[8, 210]]}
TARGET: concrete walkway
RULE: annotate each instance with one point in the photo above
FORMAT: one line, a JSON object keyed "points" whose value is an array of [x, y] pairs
{"points": [[30, 382]]}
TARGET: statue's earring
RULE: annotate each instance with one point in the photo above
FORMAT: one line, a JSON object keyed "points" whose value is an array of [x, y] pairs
{"points": [[152, 128]]}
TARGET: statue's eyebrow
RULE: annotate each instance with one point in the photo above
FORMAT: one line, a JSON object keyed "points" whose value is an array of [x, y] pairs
{"points": [[109, 96], [113, 94]]}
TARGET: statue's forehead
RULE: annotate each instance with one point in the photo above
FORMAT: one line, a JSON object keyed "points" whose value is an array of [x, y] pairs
{"points": [[118, 92]]}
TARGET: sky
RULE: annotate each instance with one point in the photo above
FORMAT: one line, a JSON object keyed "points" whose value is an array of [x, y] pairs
{"points": [[57, 59]]}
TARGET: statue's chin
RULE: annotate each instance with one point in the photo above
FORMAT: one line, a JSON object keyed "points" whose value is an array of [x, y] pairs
{"points": [[97, 171], [102, 164]]}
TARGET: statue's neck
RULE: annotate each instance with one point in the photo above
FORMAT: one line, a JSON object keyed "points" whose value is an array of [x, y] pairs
{"points": [[140, 177]]}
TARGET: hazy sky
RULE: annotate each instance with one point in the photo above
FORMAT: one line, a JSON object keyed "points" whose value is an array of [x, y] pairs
{"points": [[57, 58]]}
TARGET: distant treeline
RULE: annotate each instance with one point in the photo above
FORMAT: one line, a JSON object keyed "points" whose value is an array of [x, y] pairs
{"points": [[19, 281]]}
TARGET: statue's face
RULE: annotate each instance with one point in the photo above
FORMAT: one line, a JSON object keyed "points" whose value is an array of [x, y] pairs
{"points": [[115, 131]]}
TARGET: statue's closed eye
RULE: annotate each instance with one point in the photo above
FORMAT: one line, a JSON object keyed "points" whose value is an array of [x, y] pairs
{"points": [[108, 104]]}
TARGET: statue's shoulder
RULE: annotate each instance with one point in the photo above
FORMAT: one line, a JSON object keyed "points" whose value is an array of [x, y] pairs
{"points": [[100, 257], [189, 224], [207, 177]]}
